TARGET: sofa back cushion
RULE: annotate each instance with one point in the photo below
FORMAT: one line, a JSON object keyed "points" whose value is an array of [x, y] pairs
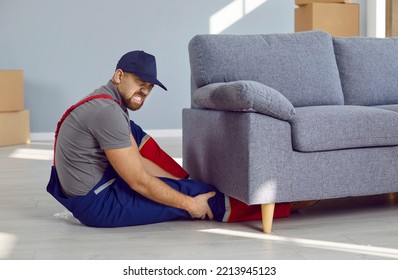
{"points": [[301, 66], [368, 69]]}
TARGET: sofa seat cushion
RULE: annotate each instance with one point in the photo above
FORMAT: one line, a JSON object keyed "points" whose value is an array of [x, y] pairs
{"points": [[325, 128], [390, 107]]}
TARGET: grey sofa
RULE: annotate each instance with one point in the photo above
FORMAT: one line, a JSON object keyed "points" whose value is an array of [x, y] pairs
{"points": [[293, 117]]}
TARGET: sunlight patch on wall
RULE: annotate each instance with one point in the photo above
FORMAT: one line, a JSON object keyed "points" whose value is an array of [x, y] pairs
{"points": [[232, 13]]}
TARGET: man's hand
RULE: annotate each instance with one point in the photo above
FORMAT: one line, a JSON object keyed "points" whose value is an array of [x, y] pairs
{"points": [[198, 207]]}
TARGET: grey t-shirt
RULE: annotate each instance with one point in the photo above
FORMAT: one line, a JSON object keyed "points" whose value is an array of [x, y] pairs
{"points": [[84, 135]]}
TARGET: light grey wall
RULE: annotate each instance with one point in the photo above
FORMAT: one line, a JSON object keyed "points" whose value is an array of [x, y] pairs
{"points": [[68, 48]]}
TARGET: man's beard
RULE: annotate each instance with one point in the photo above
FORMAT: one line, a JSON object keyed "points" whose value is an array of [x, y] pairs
{"points": [[132, 105]]}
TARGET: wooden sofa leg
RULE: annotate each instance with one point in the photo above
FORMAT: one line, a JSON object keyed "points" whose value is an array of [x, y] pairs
{"points": [[267, 213]]}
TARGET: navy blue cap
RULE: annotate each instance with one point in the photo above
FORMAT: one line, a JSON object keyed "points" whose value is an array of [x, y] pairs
{"points": [[141, 64]]}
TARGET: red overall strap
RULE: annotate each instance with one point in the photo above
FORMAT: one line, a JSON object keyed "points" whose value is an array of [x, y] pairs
{"points": [[104, 96]]}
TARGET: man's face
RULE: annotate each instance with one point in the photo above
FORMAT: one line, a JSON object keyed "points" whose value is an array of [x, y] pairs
{"points": [[133, 90]]}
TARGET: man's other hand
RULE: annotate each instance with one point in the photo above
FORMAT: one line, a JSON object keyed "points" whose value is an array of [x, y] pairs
{"points": [[199, 207]]}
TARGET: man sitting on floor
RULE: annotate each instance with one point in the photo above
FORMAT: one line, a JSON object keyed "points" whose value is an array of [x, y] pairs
{"points": [[109, 173]]}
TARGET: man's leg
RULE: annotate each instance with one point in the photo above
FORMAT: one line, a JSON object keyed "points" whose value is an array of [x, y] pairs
{"points": [[238, 211], [150, 150], [118, 205], [138, 210], [122, 206]]}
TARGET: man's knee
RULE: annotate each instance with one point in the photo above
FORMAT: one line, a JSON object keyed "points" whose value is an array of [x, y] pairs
{"points": [[137, 132]]}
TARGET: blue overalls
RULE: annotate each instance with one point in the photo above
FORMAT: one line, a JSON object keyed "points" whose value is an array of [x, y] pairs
{"points": [[112, 203]]}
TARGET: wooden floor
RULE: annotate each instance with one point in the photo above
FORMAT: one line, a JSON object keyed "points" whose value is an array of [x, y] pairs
{"points": [[34, 226]]}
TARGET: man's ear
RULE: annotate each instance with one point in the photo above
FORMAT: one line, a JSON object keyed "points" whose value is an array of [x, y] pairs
{"points": [[117, 76]]}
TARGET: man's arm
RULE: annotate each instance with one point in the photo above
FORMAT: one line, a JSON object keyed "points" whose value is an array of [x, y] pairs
{"points": [[128, 165]]}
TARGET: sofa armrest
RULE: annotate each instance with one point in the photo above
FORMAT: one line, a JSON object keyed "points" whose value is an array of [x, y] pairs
{"points": [[244, 96], [238, 153]]}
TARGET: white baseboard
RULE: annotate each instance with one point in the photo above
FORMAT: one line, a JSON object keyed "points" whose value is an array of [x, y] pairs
{"points": [[155, 133], [164, 133], [41, 136]]}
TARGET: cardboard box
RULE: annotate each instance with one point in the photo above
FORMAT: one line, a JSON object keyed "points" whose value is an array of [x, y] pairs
{"points": [[340, 20], [391, 18], [14, 128], [11, 90], [305, 2]]}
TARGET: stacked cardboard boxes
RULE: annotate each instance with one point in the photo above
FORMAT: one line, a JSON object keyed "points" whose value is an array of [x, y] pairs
{"points": [[14, 118], [337, 17]]}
